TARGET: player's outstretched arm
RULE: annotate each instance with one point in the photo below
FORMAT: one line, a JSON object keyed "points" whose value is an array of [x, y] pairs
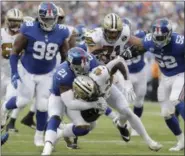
{"points": [[19, 44], [118, 64]]}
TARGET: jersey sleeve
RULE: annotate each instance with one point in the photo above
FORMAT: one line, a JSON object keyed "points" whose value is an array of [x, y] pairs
{"points": [[179, 43], [147, 41], [25, 28], [58, 80], [92, 37], [93, 62]]}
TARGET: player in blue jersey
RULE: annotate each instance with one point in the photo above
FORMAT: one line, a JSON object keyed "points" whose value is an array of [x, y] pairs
{"points": [[168, 48], [41, 40], [78, 62], [137, 72]]}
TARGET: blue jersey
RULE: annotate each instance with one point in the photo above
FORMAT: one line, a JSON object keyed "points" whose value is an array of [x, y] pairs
{"points": [[40, 53], [136, 64], [171, 57], [64, 76]]}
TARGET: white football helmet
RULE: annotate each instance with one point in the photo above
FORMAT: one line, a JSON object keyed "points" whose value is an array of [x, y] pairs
{"points": [[14, 18], [85, 88], [61, 15]]}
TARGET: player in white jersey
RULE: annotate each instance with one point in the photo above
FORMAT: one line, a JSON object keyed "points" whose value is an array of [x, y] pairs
{"points": [[14, 18]]}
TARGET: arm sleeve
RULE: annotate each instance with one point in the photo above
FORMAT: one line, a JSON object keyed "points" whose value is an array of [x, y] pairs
{"points": [[75, 104]]}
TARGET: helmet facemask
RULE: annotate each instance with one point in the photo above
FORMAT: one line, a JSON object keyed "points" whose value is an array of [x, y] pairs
{"points": [[161, 40], [14, 25], [111, 36]]}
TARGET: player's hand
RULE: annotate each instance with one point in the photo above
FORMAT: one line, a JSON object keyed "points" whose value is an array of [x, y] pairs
{"points": [[101, 104], [128, 91], [15, 79], [126, 53]]}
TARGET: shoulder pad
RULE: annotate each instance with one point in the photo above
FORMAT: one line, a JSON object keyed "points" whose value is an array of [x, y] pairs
{"points": [[92, 37]]}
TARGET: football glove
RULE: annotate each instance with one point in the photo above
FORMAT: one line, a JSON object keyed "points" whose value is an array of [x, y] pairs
{"points": [[128, 91], [15, 79]]}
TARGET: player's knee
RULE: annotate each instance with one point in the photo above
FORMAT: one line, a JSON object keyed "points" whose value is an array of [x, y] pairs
{"points": [[81, 130], [22, 102], [42, 104], [166, 113]]}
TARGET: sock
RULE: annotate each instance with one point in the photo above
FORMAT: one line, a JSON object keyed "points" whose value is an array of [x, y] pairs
{"points": [[15, 113], [68, 130], [12, 121], [51, 136], [180, 109], [173, 125], [53, 123], [138, 111], [109, 113], [11, 104], [41, 120], [30, 114], [33, 108]]}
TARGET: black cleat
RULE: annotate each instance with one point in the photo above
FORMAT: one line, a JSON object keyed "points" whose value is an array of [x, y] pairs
{"points": [[125, 134], [70, 144], [28, 121], [11, 126]]}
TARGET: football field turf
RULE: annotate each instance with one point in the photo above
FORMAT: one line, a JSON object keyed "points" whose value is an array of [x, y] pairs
{"points": [[103, 140]]}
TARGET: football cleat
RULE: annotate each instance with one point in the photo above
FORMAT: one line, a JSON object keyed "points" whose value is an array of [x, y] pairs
{"points": [[70, 144], [28, 121], [125, 134], [178, 147], [4, 138], [48, 148], [155, 146]]}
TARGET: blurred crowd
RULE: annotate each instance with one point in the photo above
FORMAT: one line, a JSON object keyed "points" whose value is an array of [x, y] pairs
{"points": [[91, 13]]}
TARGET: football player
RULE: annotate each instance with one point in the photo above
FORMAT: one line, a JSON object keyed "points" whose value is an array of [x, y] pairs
{"points": [[13, 21], [168, 48], [137, 72], [41, 40], [28, 119], [78, 62]]}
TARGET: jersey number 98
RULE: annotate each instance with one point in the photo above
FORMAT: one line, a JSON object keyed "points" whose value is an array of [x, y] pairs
{"points": [[45, 51]]}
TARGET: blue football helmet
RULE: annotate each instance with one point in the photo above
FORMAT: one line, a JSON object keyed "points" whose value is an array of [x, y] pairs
{"points": [[161, 32], [79, 60], [80, 31], [47, 15], [140, 33]]}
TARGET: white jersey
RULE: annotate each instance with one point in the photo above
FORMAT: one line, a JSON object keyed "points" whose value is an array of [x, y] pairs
{"points": [[96, 38], [6, 45]]}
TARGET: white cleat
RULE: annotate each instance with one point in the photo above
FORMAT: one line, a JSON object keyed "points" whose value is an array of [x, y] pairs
{"points": [[178, 147], [134, 133], [39, 139], [48, 148], [155, 146]]}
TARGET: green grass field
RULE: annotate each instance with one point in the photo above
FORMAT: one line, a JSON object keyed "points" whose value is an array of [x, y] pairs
{"points": [[104, 140]]}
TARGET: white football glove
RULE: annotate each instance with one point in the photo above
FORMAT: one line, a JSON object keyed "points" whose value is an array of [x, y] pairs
{"points": [[128, 91], [101, 104]]}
